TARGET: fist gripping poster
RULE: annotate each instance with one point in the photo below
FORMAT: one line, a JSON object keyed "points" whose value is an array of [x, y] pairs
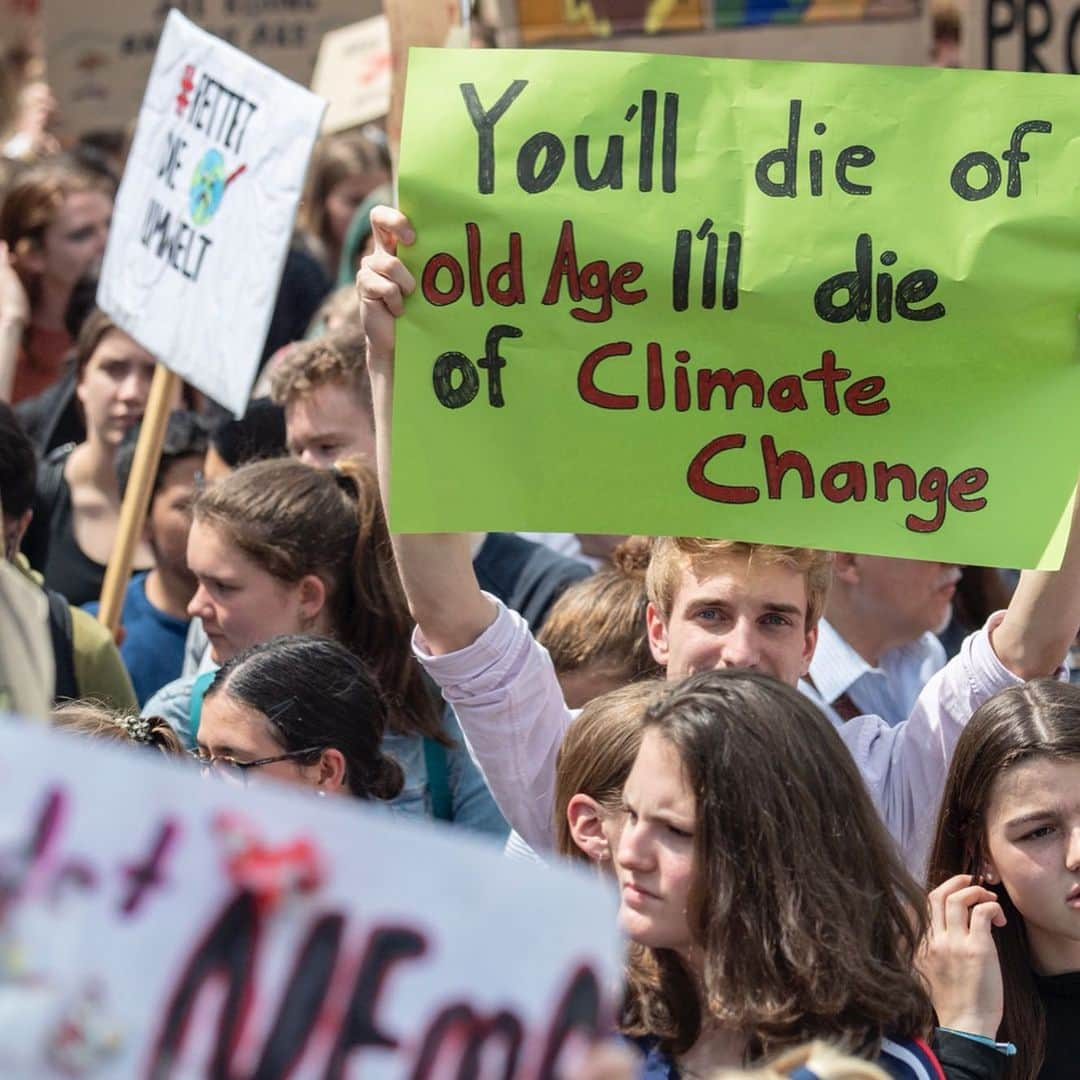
{"points": [[205, 210]]}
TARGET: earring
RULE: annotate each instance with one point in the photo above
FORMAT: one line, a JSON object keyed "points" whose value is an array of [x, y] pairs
{"points": [[320, 793], [989, 877]]}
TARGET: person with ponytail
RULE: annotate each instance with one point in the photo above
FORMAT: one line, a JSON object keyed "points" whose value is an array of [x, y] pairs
{"points": [[1003, 956], [279, 547], [301, 709]]}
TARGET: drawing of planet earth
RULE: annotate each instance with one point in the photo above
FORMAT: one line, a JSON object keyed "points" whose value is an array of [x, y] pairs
{"points": [[207, 187]]}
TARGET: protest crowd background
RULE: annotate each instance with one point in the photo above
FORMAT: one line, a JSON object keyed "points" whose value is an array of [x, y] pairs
{"points": [[838, 793]]}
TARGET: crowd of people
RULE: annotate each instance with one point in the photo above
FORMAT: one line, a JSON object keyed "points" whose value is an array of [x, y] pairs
{"points": [[839, 794]]}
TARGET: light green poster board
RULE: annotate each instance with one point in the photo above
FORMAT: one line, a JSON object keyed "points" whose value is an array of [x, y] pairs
{"points": [[808, 304]]}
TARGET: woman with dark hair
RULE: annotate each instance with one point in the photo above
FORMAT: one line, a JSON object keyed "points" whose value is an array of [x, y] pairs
{"points": [[77, 509], [1003, 958], [766, 902], [302, 709]]}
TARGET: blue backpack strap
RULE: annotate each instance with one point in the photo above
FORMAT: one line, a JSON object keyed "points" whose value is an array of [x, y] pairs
{"points": [[198, 692], [438, 776]]}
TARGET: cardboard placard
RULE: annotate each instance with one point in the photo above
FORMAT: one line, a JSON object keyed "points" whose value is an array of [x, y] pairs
{"points": [[413, 23], [99, 53], [262, 932], [353, 74], [204, 214], [1012, 35], [748, 299]]}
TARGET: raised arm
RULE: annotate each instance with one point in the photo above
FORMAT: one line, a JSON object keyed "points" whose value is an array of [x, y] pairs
{"points": [[436, 568], [483, 657], [1043, 616], [14, 316], [905, 766]]}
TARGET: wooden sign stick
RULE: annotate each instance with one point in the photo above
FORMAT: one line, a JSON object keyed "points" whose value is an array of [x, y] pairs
{"points": [[163, 392]]}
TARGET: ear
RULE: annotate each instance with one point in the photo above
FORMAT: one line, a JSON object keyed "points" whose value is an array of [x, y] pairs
{"points": [[331, 771], [311, 593], [658, 635], [586, 820], [846, 568], [29, 258], [18, 530], [809, 645]]}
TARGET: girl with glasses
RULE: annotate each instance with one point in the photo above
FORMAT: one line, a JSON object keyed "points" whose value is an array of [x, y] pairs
{"points": [[301, 709]]}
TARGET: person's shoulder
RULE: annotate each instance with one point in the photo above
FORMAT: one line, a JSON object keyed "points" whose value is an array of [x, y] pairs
{"points": [[526, 576], [137, 605], [89, 635], [174, 697], [657, 1063]]}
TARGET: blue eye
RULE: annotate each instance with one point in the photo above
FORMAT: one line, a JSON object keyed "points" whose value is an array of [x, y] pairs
{"points": [[774, 619]]}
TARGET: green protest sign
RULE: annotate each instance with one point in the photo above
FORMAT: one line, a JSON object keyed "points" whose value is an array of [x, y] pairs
{"points": [[810, 304]]}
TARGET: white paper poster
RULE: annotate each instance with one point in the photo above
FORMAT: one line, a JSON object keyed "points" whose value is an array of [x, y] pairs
{"points": [[205, 211], [157, 925]]}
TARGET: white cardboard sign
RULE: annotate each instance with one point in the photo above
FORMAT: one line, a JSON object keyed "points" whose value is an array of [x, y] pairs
{"points": [[157, 925], [353, 74], [205, 211]]}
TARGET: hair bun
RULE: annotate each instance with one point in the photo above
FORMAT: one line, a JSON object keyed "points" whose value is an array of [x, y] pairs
{"points": [[386, 780], [633, 554]]}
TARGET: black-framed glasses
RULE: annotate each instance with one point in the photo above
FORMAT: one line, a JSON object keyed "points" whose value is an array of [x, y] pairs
{"points": [[230, 769]]}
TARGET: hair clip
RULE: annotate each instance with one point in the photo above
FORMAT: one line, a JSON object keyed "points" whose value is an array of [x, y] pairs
{"points": [[138, 728]]}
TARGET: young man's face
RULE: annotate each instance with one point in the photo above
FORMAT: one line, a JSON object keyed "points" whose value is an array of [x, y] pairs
{"points": [[730, 613], [328, 424]]}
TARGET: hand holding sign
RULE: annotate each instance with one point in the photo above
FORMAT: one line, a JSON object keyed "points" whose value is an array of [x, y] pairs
{"points": [[384, 281]]}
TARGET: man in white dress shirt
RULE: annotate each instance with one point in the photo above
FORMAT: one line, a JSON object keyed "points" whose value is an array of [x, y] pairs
{"points": [[877, 645]]}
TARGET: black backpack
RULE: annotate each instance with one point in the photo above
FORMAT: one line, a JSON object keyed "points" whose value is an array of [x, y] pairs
{"points": [[63, 642]]}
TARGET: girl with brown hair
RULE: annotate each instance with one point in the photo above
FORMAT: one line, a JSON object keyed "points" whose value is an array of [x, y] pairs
{"points": [[344, 171], [54, 221], [594, 760], [279, 547], [765, 900], [1003, 957]]}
